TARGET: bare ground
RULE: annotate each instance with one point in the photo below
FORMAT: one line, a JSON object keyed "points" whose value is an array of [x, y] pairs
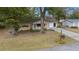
{"points": [[76, 30], [26, 40]]}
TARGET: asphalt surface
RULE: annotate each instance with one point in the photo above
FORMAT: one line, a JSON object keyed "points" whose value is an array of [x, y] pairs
{"points": [[71, 47]]}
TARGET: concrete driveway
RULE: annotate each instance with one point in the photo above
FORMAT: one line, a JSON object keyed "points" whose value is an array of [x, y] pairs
{"points": [[70, 34]]}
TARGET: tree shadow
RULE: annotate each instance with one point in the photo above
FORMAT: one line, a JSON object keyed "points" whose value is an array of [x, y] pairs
{"points": [[28, 31]]}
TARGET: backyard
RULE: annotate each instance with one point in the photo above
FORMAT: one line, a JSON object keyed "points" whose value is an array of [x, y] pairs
{"points": [[26, 40]]}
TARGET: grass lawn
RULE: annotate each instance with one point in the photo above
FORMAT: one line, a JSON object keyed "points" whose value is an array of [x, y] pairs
{"points": [[30, 40], [76, 30]]}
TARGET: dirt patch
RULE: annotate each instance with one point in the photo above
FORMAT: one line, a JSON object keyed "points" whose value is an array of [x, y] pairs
{"points": [[30, 40]]}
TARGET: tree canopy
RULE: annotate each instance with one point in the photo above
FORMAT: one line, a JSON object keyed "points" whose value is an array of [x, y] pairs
{"points": [[57, 12], [31, 14]]}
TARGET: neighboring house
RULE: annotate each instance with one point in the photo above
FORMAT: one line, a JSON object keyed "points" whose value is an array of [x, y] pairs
{"points": [[25, 27], [70, 22]]}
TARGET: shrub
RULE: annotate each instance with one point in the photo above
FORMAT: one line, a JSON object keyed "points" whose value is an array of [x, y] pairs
{"points": [[2, 23], [60, 41], [74, 27], [59, 26], [2, 26], [12, 23]]}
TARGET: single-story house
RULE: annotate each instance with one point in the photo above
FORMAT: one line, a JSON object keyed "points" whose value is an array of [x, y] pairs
{"points": [[70, 22], [49, 23]]}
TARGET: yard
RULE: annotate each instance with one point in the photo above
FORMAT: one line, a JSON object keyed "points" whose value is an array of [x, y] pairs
{"points": [[30, 40], [76, 30]]}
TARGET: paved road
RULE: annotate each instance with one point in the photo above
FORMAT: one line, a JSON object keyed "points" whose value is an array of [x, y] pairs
{"points": [[70, 47]]}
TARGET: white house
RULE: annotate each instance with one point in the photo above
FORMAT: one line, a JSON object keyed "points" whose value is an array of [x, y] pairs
{"points": [[70, 22], [47, 25]]}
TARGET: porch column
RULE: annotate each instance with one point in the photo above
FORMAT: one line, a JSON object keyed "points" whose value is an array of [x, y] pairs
{"points": [[78, 25]]}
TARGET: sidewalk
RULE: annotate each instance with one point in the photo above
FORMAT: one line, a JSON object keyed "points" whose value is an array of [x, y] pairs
{"points": [[70, 34]]}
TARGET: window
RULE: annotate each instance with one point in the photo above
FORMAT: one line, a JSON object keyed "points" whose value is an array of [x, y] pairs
{"points": [[25, 26], [38, 25]]}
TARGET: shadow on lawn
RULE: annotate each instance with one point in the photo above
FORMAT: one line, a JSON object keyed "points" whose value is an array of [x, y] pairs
{"points": [[28, 31]]}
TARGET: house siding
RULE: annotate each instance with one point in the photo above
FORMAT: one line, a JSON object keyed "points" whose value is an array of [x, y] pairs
{"points": [[71, 23], [47, 25]]}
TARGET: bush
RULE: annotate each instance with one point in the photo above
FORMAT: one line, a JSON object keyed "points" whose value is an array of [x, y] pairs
{"points": [[2, 25], [12, 23], [60, 41], [35, 30], [59, 26], [74, 27]]}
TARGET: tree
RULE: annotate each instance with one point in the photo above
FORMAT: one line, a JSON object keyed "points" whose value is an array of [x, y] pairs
{"points": [[13, 15], [57, 12], [13, 24], [32, 15], [42, 16], [75, 15], [30, 18]]}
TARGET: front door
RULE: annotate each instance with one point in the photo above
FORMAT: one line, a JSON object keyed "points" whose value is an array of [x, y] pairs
{"points": [[54, 24], [51, 25]]}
